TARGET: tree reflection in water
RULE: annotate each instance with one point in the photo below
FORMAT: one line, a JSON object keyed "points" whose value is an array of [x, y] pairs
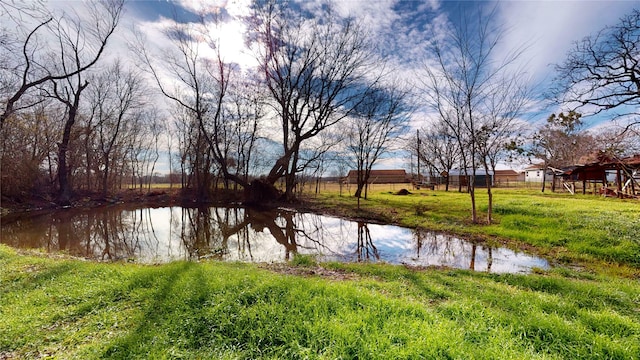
{"points": [[365, 249], [445, 249], [152, 235]]}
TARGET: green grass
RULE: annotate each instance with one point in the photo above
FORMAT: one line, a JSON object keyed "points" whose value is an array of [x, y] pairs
{"points": [[580, 228], [71, 309]]}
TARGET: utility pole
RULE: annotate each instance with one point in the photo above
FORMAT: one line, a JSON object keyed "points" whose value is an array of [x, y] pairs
{"points": [[418, 153]]}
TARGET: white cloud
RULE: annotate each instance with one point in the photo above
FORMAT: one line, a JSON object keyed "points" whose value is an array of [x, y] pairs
{"points": [[375, 15], [549, 28]]}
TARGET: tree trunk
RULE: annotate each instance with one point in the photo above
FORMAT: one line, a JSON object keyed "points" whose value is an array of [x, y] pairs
{"points": [[474, 212], [261, 192], [544, 176], [358, 192], [489, 194], [105, 177], [289, 186], [65, 191]]}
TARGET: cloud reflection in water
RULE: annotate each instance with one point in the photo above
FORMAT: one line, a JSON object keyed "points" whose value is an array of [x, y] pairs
{"points": [[155, 235]]}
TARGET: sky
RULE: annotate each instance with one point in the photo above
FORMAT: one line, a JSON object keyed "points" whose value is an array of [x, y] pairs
{"points": [[544, 29]]}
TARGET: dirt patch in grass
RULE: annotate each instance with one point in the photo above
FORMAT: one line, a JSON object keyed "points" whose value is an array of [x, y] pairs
{"points": [[7, 355], [305, 271]]}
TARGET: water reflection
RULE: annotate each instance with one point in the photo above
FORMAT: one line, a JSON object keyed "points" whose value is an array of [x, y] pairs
{"points": [[152, 235]]}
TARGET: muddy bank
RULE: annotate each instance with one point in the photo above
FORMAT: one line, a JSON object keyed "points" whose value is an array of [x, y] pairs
{"points": [[151, 198]]}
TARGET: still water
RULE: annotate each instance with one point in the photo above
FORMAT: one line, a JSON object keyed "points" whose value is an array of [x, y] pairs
{"points": [[157, 235]]}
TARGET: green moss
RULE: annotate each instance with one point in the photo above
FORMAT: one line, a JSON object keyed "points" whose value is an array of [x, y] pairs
{"points": [[303, 260]]}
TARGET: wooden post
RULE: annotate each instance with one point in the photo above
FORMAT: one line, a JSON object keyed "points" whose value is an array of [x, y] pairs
{"points": [[418, 153], [619, 180]]}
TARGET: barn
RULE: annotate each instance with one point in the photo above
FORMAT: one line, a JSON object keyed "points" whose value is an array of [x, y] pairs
{"points": [[507, 177], [380, 177], [458, 178]]}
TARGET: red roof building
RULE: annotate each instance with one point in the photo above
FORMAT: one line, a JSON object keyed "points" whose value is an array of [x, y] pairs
{"points": [[381, 177]]}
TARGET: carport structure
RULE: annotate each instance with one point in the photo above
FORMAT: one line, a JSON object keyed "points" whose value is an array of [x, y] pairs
{"points": [[626, 171]]}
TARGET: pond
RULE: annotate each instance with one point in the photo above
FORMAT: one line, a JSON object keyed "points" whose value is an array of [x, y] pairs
{"points": [[158, 235]]}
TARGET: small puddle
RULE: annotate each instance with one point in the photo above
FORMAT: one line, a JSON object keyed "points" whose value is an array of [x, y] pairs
{"points": [[158, 235]]}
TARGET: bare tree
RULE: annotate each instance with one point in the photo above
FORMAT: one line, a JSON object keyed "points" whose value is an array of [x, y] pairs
{"points": [[316, 74], [617, 143], [27, 152], [504, 103], [439, 151], [202, 92], [602, 72], [116, 95], [244, 112], [68, 94], [51, 41], [184, 127], [378, 120], [458, 80], [74, 36], [141, 145]]}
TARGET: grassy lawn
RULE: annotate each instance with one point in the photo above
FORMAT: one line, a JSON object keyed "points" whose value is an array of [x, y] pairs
{"points": [[567, 228], [55, 307], [63, 308]]}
